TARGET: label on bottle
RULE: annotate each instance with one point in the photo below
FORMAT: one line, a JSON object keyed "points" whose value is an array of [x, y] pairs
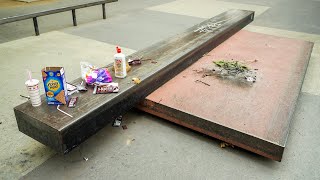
{"points": [[118, 67]]}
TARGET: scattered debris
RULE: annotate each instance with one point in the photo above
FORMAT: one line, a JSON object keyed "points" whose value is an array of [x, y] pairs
{"points": [[124, 127], [117, 122], [224, 144], [58, 108], [136, 80], [85, 158], [81, 87], [72, 102], [232, 66], [231, 70], [133, 62], [71, 89], [139, 59], [28, 97], [198, 81], [250, 79]]}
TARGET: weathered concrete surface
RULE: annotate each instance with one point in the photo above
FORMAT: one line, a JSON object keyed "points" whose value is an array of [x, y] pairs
{"points": [[311, 82], [205, 8], [256, 118], [17, 30], [134, 26], [152, 148]]}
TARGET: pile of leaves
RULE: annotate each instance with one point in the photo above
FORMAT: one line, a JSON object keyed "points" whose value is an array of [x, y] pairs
{"points": [[232, 70], [233, 67]]}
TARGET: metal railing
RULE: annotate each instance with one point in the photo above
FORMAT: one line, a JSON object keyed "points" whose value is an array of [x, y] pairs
{"points": [[34, 15]]}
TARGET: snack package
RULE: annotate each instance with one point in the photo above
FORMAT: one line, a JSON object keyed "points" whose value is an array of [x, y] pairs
{"points": [[106, 88], [93, 75], [86, 68], [72, 102], [55, 85]]}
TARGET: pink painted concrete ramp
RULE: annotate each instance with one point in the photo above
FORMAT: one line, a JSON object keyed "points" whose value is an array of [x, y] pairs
{"points": [[257, 117]]}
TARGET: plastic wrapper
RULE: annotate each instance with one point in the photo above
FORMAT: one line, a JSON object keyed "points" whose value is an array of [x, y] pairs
{"points": [[93, 75], [106, 88]]}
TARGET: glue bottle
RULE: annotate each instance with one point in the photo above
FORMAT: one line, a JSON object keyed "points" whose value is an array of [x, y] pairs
{"points": [[120, 64]]}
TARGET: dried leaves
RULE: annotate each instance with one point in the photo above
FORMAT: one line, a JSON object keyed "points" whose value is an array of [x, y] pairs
{"points": [[233, 70], [233, 67]]}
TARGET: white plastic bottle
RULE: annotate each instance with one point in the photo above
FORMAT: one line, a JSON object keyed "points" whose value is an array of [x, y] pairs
{"points": [[120, 64]]}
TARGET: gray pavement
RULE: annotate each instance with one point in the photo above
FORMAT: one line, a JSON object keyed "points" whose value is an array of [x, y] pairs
{"points": [[129, 29], [150, 148], [155, 149]]}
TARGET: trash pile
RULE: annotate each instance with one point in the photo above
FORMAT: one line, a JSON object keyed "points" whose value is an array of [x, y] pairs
{"points": [[233, 70], [59, 92]]}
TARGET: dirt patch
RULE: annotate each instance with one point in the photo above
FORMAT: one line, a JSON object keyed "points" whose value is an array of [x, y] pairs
{"points": [[16, 3]]}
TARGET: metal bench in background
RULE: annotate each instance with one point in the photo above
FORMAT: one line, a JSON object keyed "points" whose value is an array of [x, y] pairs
{"points": [[35, 15]]}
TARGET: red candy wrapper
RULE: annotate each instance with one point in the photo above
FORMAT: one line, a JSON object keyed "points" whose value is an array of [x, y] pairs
{"points": [[72, 102]]}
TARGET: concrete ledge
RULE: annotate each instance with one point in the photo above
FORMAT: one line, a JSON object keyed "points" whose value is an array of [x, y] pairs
{"points": [[93, 112], [256, 118]]}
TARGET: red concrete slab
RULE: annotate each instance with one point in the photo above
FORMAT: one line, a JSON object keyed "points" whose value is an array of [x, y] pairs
{"points": [[257, 117]]}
